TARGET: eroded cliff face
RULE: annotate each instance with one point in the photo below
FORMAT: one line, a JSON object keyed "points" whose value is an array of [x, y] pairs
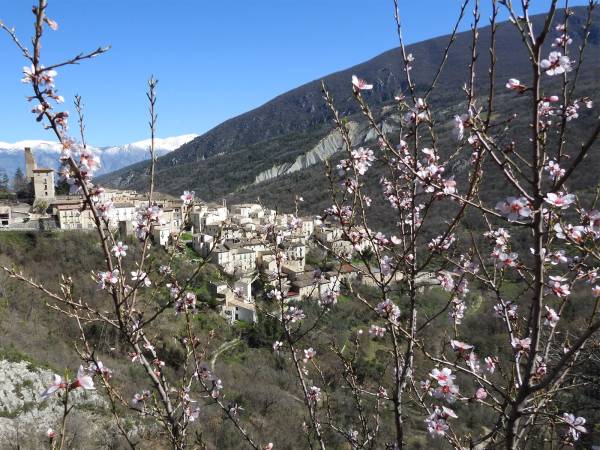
{"points": [[25, 417], [360, 134], [327, 147]]}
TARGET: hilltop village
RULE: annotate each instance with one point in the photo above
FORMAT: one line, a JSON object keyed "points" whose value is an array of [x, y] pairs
{"points": [[241, 239]]}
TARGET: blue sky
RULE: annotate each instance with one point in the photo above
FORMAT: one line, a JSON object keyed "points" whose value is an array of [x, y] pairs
{"points": [[214, 59]]}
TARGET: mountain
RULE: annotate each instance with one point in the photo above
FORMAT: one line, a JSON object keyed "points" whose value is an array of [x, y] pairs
{"points": [[112, 158], [277, 149]]}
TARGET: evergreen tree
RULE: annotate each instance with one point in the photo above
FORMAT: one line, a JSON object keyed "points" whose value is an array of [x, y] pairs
{"points": [[18, 180], [62, 187], [21, 185]]}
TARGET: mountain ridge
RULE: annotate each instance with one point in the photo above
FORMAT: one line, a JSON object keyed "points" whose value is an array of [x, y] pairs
{"points": [[112, 157], [284, 129]]}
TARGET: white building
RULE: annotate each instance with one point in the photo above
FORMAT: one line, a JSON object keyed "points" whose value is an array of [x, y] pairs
{"points": [[5, 216], [123, 212], [161, 234], [236, 303]]}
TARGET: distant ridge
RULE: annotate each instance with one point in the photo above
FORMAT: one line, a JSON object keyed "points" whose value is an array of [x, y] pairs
{"points": [[249, 156], [112, 158]]}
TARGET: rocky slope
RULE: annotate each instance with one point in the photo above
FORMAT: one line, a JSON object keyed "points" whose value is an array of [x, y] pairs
{"points": [[25, 417], [327, 147]]}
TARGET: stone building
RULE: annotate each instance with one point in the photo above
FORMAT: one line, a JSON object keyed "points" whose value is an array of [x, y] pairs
{"points": [[5, 216], [43, 184]]}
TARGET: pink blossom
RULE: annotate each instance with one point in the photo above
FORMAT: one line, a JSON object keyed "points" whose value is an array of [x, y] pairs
{"points": [[460, 347], [293, 315], [514, 208], [551, 317], [141, 277], [449, 186], [359, 84], [557, 257], [51, 23], [88, 161], [165, 270], [441, 242], [388, 309], [460, 122], [386, 265], [39, 74], [192, 414], [139, 399], [559, 200], [448, 392], [556, 64], [562, 41], [105, 279], [99, 368], [277, 345], [481, 394], [216, 388], [541, 367], [575, 425], [521, 345], [570, 232], [436, 422], [187, 197], [309, 354], [83, 380], [376, 331], [592, 219], [508, 259], [57, 383], [515, 85], [329, 299], [446, 281], [510, 310], [120, 249], [436, 427], [186, 303], [572, 111], [457, 313], [490, 364], [362, 159], [443, 377], [30, 74], [314, 394], [274, 294], [559, 287], [106, 210], [294, 224]]}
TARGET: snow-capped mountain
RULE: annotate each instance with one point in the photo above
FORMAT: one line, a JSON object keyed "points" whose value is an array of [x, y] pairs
{"points": [[112, 158]]}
